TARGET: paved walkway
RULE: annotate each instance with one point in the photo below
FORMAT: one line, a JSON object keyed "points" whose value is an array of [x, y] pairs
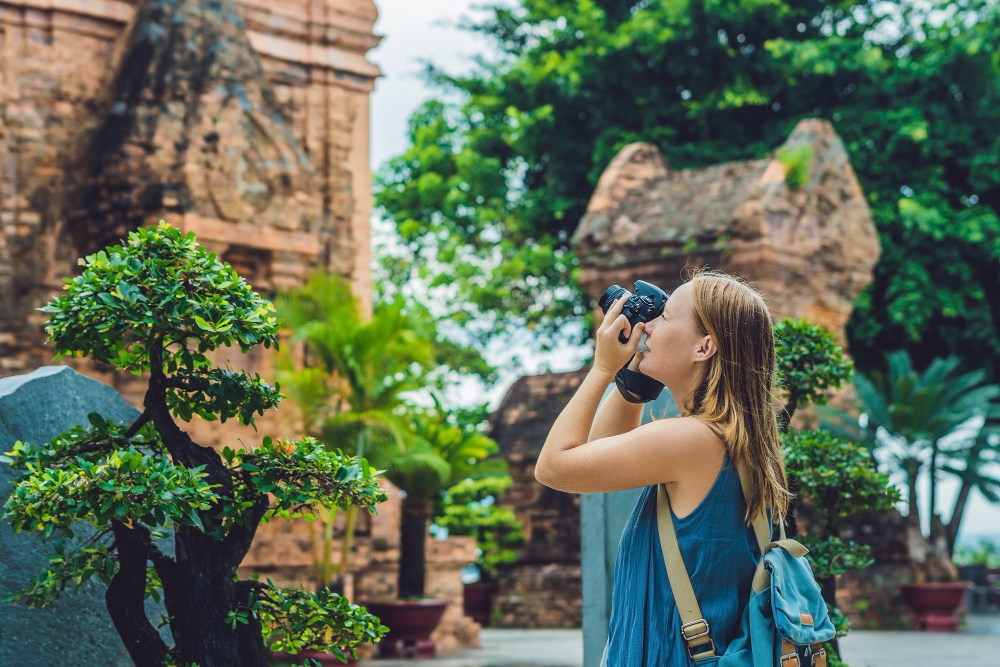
{"points": [[977, 646]]}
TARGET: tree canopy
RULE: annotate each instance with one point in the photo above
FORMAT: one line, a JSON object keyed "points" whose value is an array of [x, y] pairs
{"points": [[490, 190]]}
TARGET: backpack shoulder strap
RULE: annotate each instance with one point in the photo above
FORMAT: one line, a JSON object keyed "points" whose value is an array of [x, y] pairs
{"points": [[694, 627]]}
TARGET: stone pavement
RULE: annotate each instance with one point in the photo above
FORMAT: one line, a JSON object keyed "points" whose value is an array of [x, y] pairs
{"points": [[978, 645]]}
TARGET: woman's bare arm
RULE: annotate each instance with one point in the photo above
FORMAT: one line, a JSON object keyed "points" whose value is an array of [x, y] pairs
{"points": [[616, 415]]}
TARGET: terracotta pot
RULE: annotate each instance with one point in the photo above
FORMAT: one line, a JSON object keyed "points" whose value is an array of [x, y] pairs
{"points": [[477, 601], [410, 624], [935, 604]]}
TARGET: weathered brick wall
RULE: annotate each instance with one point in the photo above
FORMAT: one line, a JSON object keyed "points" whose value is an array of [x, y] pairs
{"points": [[544, 588], [210, 170], [245, 121]]}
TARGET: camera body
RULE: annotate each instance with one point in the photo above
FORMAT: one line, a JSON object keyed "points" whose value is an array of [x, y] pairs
{"points": [[645, 304]]}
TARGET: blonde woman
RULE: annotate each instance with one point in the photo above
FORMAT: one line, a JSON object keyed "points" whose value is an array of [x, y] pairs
{"points": [[713, 349]]}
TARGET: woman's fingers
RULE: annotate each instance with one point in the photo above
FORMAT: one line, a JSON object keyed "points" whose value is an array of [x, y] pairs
{"points": [[615, 310], [622, 324]]}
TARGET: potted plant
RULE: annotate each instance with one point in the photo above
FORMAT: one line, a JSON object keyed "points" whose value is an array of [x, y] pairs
{"points": [[345, 378], [156, 305], [470, 508], [909, 415], [439, 451], [836, 474]]}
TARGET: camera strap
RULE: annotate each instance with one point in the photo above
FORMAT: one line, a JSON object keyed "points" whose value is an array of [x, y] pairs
{"points": [[629, 382]]}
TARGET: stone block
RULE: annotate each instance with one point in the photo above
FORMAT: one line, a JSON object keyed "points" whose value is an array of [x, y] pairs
{"points": [[35, 408]]}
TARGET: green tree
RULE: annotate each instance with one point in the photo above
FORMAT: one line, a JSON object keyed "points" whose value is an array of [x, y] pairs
{"points": [[837, 476], [915, 411], [157, 305], [471, 508], [438, 453], [490, 190], [349, 379]]}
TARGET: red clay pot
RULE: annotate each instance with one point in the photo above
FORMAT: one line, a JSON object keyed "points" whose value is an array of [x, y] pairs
{"points": [[410, 624], [477, 601], [935, 604]]}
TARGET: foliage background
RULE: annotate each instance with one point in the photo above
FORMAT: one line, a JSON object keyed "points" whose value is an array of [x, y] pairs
{"points": [[913, 106]]}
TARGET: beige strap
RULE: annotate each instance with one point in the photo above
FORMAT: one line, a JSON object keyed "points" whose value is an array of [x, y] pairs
{"points": [[694, 627]]}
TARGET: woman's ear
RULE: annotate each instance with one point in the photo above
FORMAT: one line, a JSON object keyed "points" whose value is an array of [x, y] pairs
{"points": [[707, 347]]}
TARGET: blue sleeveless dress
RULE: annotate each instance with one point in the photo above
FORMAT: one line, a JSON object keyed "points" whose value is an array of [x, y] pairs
{"points": [[721, 554]]}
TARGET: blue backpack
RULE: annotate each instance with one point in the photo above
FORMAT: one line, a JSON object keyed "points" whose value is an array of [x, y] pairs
{"points": [[785, 622]]}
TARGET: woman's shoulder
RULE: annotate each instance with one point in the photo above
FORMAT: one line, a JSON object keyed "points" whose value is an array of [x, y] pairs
{"points": [[694, 427], [693, 436]]}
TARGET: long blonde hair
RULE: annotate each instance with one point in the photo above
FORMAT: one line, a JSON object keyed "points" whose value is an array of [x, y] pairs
{"points": [[735, 396]]}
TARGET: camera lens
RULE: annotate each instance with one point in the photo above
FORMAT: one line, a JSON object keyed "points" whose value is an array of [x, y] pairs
{"points": [[609, 297]]}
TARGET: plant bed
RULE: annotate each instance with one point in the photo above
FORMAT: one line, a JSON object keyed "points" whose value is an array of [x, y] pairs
{"points": [[410, 623], [934, 605]]}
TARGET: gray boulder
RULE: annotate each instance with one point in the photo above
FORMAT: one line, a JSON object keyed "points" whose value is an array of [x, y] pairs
{"points": [[76, 630]]}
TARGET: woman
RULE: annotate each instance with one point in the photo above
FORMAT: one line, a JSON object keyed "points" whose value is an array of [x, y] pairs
{"points": [[713, 349]]}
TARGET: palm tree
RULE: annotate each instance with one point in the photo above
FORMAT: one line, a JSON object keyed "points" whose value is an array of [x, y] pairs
{"points": [[438, 453], [347, 378], [909, 413], [977, 454]]}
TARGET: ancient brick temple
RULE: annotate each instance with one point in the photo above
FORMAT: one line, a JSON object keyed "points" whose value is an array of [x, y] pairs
{"points": [[244, 121], [810, 250]]}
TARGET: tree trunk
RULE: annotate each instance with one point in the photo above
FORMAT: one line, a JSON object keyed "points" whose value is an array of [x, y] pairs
{"points": [[932, 509], [204, 591], [412, 542], [956, 516], [828, 587], [126, 594], [912, 471], [955, 522], [199, 584]]}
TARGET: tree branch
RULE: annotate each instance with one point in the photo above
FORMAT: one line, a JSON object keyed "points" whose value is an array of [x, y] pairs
{"points": [[137, 424], [237, 543]]}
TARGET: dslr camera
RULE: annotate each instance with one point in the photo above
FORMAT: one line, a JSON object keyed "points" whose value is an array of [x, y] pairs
{"points": [[645, 304]]}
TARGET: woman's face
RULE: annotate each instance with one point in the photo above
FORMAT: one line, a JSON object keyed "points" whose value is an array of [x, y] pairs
{"points": [[675, 346]]}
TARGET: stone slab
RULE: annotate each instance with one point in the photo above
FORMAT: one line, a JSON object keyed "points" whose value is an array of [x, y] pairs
{"points": [[75, 631]]}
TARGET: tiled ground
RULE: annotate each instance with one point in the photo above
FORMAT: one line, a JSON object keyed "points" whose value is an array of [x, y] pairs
{"points": [[977, 646]]}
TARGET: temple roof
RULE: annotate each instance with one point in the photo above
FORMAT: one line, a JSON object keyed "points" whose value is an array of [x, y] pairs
{"points": [[528, 410]]}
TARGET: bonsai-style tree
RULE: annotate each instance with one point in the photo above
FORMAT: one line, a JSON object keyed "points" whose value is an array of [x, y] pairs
{"points": [[837, 476], [470, 508], [914, 412], [156, 305]]}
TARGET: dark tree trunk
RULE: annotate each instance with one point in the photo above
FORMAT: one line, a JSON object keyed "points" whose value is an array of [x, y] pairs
{"points": [[971, 465], [412, 542], [932, 508], [912, 470], [200, 587], [203, 592], [828, 587], [956, 516], [126, 594]]}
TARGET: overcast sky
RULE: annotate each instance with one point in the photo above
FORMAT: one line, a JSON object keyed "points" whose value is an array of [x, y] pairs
{"points": [[426, 30]]}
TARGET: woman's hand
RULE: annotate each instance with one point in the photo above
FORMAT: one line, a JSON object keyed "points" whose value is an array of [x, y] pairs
{"points": [[611, 355]]}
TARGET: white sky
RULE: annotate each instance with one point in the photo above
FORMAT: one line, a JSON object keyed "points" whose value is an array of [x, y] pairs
{"points": [[426, 30]]}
